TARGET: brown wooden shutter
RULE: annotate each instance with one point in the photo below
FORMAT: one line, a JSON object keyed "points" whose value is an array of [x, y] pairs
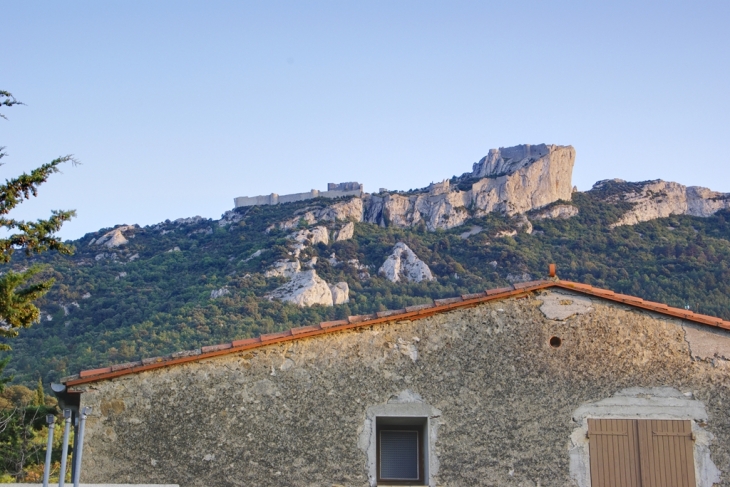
{"points": [[614, 453], [667, 453], [641, 453]]}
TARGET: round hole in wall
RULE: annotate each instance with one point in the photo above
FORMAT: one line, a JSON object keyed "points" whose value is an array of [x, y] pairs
{"points": [[555, 342]]}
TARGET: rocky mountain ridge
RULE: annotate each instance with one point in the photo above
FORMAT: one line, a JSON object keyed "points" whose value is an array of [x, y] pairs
{"points": [[659, 199], [523, 179]]}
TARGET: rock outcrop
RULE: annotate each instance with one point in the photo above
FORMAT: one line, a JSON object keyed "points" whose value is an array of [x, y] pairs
{"points": [[284, 268], [311, 236], [557, 212], [340, 293], [510, 181], [403, 265], [346, 232], [219, 293], [659, 199], [351, 209], [113, 238], [306, 289], [308, 236]]}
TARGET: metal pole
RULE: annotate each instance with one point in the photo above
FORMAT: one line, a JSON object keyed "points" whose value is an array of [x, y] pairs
{"points": [[77, 468], [51, 420], [64, 451]]}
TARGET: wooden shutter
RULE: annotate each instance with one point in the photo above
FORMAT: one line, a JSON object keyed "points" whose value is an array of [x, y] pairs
{"points": [[641, 453], [667, 453], [614, 453]]}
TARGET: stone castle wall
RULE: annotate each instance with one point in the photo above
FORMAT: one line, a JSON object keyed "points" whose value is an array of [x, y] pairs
{"points": [[333, 191], [503, 406]]}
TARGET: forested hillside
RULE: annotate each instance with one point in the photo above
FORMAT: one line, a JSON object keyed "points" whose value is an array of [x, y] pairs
{"points": [[153, 294]]}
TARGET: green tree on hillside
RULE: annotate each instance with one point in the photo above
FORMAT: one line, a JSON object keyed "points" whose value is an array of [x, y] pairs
{"points": [[19, 290]]}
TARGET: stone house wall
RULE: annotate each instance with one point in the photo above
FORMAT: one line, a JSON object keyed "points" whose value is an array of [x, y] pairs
{"points": [[500, 400]]}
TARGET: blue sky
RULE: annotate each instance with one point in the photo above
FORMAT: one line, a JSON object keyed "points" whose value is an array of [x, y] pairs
{"points": [[175, 108]]}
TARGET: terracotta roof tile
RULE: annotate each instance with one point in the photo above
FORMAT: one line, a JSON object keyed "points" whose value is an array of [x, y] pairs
{"points": [[524, 285], [411, 312], [466, 297], [390, 312], [245, 342], [501, 290], [215, 348], [360, 318], [128, 365], [275, 336], [152, 360], [305, 329], [186, 353], [330, 324], [418, 307], [92, 372]]}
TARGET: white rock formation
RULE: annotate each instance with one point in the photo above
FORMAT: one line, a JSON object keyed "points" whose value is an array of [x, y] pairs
{"points": [[230, 217], [305, 289], [346, 232], [559, 212], [403, 264], [219, 293], [284, 268], [512, 180], [659, 199], [189, 221], [340, 293], [311, 236], [351, 209], [114, 238]]}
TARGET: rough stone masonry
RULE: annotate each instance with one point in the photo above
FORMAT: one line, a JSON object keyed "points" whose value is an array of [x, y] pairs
{"points": [[505, 401]]}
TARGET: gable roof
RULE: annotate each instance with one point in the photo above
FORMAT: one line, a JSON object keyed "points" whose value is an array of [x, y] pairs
{"points": [[410, 313]]}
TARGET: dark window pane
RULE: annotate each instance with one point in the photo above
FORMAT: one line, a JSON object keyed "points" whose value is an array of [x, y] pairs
{"points": [[399, 455]]}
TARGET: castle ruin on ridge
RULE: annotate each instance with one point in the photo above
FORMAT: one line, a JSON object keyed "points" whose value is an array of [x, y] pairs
{"points": [[333, 191]]}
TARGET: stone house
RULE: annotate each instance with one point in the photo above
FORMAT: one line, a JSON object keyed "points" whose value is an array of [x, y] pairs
{"points": [[545, 383]]}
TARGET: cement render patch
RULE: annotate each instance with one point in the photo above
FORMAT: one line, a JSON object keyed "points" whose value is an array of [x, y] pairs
{"points": [[706, 343]]}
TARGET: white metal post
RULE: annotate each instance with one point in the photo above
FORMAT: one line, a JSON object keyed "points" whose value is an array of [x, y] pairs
{"points": [[51, 420], [80, 445], [64, 450]]}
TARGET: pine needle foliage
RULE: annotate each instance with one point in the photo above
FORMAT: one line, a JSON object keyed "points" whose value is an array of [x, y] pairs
{"points": [[19, 289]]}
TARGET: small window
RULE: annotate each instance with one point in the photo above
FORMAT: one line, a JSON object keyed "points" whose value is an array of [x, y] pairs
{"points": [[401, 450]]}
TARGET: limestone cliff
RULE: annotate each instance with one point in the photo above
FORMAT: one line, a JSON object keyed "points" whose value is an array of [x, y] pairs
{"points": [[510, 181], [658, 199]]}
